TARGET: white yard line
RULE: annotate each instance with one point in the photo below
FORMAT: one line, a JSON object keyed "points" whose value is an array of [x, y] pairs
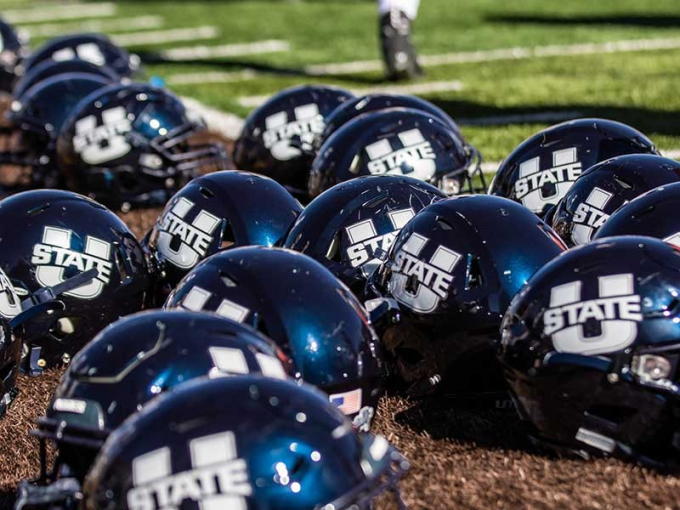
{"points": [[210, 77], [226, 50], [166, 36], [227, 124], [60, 12], [109, 25], [413, 88]]}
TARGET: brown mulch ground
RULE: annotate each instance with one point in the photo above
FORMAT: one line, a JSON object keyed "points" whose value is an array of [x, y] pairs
{"points": [[459, 459]]}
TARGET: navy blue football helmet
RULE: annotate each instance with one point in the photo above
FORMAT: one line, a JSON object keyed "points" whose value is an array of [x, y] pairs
{"points": [[49, 68], [277, 138], [11, 343], [48, 237], [133, 361], [653, 214], [13, 50], [605, 187], [249, 443], [215, 212], [451, 274], [131, 145], [299, 304], [591, 349], [396, 141], [353, 108], [95, 48], [541, 170], [350, 227], [36, 119]]}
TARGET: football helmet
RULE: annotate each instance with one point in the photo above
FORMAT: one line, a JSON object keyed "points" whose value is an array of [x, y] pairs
{"points": [[350, 227], [10, 343], [396, 141], [352, 108], [134, 360], [452, 272], [652, 214], [12, 51], [49, 236], [49, 68], [590, 348], [277, 138], [605, 187], [131, 145], [95, 48], [218, 211], [36, 119], [273, 446], [299, 304], [541, 170]]}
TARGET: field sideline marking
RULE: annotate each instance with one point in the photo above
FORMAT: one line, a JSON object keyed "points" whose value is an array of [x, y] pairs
{"points": [[165, 36], [462, 58], [60, 12], [413, 88], [225, 50], [110, 25]]}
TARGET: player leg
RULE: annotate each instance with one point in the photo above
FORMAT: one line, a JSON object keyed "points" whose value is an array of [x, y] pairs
{"points": [[399, 54]]}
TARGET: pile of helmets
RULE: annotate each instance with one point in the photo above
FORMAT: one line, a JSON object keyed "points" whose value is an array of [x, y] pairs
{"points": [[236, 355]]}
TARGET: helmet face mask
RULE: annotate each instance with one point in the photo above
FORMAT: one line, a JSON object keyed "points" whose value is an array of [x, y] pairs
{"points": [[591, 352], [130, 145], [540, 172]]}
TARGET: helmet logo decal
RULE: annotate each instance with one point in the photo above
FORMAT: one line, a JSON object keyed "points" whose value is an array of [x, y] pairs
{"points": [[617, 310], [418, 284], [673, 240], [219, 479], [415, 158], [231, 361], [89, 52], [280, 130], [99, 144], [590, 216], [9, 301], [195, 238], [54, 255], [530, 188], [197, 297], [365, 241]]}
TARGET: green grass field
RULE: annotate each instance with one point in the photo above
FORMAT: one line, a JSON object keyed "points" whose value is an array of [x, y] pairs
{"points": [[636, 87]]}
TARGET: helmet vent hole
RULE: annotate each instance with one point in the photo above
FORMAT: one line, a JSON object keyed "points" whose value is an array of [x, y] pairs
{"points": [[622, 183], [228, 280], [333, 252], [375, 202], [228, 239], [206, 192], [444, 223], [38, 210]]}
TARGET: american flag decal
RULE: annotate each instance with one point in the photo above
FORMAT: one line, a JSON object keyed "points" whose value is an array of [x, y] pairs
{"points": [[348, 402]]}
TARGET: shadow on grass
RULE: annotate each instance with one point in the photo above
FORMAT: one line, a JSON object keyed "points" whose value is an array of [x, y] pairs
{"points": [[626, 20]]}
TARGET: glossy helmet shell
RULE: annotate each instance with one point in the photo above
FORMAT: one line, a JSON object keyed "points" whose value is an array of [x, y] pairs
{"points": [[350, 227], [219, 211], [300, 305], [453, 270], [12, 51], [604, 188], [541, 170], [277, 137], [353, 108], [396, 141], [590, 349], [49, 68], [272, 444], [11, 343], [130, 145], [137, 358], [48, 236], [95, 48], [653, 214], [37, 118]]}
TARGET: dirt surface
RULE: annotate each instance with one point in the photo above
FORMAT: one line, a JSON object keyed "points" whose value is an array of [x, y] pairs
{"points": [[459, 459]]}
